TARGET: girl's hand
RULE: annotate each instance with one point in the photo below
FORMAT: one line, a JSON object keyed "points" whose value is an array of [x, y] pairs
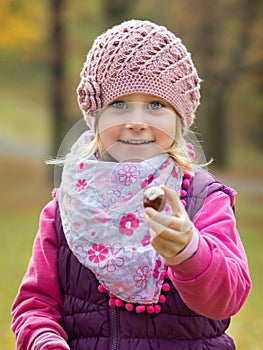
{"points": [[169, 233]]}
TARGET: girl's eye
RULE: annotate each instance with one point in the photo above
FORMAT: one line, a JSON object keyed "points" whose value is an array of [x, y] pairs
{"points": [[119, 104], [155, 105]]}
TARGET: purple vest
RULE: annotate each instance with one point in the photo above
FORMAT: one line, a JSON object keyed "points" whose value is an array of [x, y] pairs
{"points": [[93, 325]]}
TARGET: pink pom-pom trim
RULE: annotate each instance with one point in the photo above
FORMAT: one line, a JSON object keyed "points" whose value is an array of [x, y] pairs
{"points": [[129, 307], [140, 308], [102, 289], [119, 302], [157, 309], [187, 176], [162, 299], [150, 309], [183, 193], [112, 302], [166, 287], [186, 183]]}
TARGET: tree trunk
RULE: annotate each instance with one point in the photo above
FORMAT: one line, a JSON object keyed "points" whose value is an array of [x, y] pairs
{"points": [[57, 67]]}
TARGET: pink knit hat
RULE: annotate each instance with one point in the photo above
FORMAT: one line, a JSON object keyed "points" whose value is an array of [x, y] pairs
{"points": [[139, 57]]}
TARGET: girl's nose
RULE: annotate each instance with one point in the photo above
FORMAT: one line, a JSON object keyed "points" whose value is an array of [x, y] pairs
{"points": [[136, 126], [137, 119]]}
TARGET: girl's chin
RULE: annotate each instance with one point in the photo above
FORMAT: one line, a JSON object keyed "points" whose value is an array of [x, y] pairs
{"points": [[128, 158], [120, 153]]}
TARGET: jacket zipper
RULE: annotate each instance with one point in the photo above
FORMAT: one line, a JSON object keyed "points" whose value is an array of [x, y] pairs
{"points": [[115, 328]]}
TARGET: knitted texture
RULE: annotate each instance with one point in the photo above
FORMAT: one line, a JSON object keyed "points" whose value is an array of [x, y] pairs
{"points": [[139, 57]]}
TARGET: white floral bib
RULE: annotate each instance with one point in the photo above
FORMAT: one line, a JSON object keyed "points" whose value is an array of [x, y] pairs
{"points": [[101, 206]]}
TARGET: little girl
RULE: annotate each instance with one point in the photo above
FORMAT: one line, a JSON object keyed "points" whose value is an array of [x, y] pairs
{"points": [[105, 272]]}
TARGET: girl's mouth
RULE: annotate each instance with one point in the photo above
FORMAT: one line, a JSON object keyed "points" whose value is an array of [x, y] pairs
{"points": [[136, 142]]}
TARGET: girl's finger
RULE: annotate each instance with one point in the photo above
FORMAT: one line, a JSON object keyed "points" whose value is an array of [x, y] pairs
{"points": [[177, 207], [163, 223], [156, 228], [168, 248], [161, 218]]}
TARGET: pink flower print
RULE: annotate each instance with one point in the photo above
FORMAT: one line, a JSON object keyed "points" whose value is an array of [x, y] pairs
{"points": [[147, 182], [142, 276], [174, 173], [80, 253], [146, 240], [81, 185], [81, 166], [165, 164], [156, 268], [128, 224], [114, 195], [128, 174], [114, 258], [97, 253]]}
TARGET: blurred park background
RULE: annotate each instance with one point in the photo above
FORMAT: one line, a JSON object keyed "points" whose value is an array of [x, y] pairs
{"points": [[43, 45]]}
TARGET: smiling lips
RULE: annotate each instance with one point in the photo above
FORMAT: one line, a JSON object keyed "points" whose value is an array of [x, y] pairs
{"points": [[136, 142]]}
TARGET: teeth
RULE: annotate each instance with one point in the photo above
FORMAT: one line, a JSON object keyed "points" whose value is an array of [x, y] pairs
{"points": [[136, 142]]}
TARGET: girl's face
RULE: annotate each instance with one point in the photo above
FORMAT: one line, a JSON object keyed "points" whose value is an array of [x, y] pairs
{"points": [[136, 127]]}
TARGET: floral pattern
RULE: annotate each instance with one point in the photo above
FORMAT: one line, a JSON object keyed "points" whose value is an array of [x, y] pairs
{"points": [[146, 240], [156, 269], [97, 253], [165, 164], [81, 253], [81, 166], [81, 185], [142, 276], [128, 224], [147, 181], [174, 173], [114, 258], [128, 174], [89, 94], [103, 219]]}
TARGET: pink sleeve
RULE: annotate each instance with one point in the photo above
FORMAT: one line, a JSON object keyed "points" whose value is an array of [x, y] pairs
{"points": [[49, 341], [38, 304], [215, 281]]}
